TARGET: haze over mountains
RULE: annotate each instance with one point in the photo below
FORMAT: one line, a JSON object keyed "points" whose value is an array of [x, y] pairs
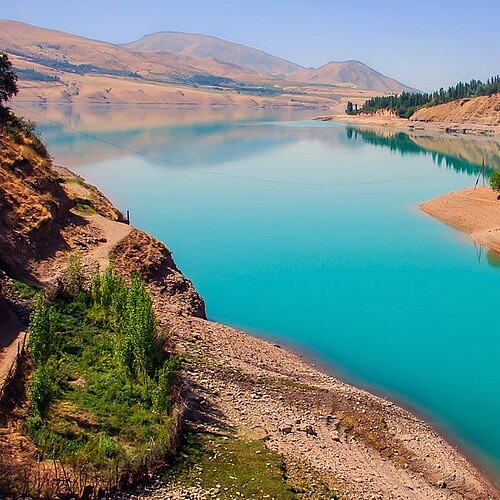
{"points": [[176, 68]]}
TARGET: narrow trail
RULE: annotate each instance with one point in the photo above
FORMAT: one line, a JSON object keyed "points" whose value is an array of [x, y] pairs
{"points": [[113, 233], [11, 336]]}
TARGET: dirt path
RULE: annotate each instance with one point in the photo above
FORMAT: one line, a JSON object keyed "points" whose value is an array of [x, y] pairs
{"points": [[112, 233], [474, 211], [11, 335]]}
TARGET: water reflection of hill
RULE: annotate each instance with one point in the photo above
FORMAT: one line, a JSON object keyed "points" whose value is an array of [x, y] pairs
{"points": [[86, 135], [202, 144], [459, 153], [83, 135]]}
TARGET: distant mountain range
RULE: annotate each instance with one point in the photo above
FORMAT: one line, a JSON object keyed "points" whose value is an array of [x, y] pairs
{"points": [[190, 68], [210, 47], [352, 73]]}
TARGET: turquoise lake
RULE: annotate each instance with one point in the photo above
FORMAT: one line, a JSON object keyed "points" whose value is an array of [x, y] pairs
{"points": [[309, 233]]}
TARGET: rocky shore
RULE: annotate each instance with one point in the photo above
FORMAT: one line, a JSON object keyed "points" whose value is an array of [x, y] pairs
{"points": [[435, 126]]}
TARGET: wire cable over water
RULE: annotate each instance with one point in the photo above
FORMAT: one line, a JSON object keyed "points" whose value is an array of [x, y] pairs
{"points": [[164, 161]]}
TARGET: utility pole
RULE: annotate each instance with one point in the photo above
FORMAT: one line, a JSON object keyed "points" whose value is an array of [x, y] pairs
{"points": [[481, 173]]}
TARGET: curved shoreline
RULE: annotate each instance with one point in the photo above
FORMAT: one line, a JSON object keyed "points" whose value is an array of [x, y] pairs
{"points": [[410, 453], [474, 211], [244, 385], [409, 125], [315, 362]]}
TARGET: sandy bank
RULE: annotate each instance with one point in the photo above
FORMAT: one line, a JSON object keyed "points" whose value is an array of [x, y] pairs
{"points": [[474, 211]]}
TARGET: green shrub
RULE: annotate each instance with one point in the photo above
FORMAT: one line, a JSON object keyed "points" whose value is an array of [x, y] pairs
{"points": [[107, 448], [168, 376], [73, 279], [140, 350], [495, 180], [41, 335], [42, 390], [129, 312]]}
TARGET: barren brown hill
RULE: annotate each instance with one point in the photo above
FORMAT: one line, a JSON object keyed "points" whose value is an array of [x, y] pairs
{"points": [[483, 110], [215, 49], [62, 51], [72, 69], [350, 73], [174, 68]]}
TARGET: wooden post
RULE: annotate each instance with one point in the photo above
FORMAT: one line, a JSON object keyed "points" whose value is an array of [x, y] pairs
{"points": [[128, 217]]}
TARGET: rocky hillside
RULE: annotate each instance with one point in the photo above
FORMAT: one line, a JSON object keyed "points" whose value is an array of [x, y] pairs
{"points": [[33, 205], [47, 212], [483, 110]]}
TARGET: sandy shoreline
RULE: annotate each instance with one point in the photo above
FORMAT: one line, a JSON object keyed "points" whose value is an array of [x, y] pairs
{"points": [[473, 211]]}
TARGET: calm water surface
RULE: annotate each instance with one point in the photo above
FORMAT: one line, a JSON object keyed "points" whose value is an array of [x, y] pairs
{"points": [[310, 233]]}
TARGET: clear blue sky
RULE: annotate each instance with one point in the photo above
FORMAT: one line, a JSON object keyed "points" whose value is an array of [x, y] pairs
{"points": [[424, 43]]}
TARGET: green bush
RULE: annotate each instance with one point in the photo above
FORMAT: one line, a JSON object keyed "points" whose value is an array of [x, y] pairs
{"points": [[73, 279], [129, 311], [495, 180], [141, 351], [107, 448], [42, 390], [41, 335], [168, 376]]}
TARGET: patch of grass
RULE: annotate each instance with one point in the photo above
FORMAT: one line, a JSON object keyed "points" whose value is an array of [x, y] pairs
{"points": [[25, 291], [84, 209], [99, 415], [235, 467]]}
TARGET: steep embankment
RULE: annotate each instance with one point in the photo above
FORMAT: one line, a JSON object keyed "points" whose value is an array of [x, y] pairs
{"points": [[483, 110], [236, 386], [33, 204]]}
